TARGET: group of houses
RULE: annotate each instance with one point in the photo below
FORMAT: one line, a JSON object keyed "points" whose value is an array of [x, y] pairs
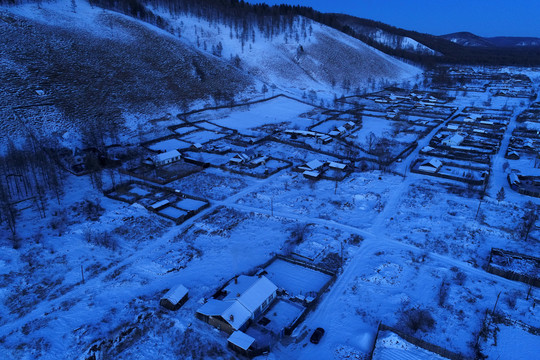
{"points": [[249, 158], [314, 169]]}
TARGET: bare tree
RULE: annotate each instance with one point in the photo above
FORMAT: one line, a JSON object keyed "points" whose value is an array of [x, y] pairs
{"points": [[500, 195]]}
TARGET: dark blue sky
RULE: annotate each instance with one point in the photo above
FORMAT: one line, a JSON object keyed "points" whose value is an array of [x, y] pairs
{"points": [[438, 17]]}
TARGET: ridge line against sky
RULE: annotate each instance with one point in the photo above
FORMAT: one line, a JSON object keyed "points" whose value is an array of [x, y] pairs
{"points": [[488, 18]]}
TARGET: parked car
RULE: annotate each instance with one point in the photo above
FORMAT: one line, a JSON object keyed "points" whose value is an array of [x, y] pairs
{"points": [[317, 335]]}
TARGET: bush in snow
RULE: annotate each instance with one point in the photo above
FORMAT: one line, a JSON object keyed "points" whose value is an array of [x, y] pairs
{"points": [[415, 319], [104, 239]]}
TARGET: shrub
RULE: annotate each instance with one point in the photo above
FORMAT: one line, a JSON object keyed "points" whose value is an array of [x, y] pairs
{"points": [[415, 319]]}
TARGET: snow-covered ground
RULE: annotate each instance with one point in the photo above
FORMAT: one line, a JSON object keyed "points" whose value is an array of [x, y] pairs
{"points": [[91, 270]]}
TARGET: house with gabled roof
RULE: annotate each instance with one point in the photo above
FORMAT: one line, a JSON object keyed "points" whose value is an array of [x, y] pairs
{"points": [[432, 165], [174, 298], [242, 300], [166, 158]]}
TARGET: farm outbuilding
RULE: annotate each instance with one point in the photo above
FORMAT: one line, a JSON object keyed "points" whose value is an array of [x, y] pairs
{"points": [[241, 343], [175, 298]]}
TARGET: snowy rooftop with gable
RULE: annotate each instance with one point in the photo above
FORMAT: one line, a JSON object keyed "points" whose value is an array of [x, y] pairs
{"points": [[175, 294]]}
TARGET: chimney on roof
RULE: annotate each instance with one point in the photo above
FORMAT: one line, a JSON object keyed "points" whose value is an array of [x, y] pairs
{"points": [[236, 279]]}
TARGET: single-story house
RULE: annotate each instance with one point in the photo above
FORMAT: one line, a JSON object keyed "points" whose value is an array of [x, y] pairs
{"points": [[246, 297], [166, 158], [453, 140], [433, 165], [174, 298], [312, 165], [241, 343], [325, 139], [228, 316], [244, 157]]}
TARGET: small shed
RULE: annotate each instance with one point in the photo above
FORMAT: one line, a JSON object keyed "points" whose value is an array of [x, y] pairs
{"points": [[160, 204], [311, 174], [241, 343], [174, 298], [337, 166], [513, 179]]}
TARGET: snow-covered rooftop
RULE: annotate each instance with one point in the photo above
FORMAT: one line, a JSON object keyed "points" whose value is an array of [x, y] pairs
{"points": [[240, 339], [250, 291], [176, 294]]}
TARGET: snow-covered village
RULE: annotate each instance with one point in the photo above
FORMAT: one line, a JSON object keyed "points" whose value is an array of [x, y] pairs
{"points": [[186, 179]]}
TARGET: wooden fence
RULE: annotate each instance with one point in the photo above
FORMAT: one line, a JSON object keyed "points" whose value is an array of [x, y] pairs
{"points": [[418, 342], [512, 275]]}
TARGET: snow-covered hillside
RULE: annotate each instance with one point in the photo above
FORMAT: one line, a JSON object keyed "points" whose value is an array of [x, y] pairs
{"points": [[401, 42], [308, 55], [85, 62]]}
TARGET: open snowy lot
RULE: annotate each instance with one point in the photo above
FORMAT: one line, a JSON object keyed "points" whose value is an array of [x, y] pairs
{"points": [[346, 200], [441, 219]]}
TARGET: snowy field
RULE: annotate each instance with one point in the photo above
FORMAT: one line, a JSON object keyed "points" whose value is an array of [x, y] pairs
{"points": [[247, 120]]}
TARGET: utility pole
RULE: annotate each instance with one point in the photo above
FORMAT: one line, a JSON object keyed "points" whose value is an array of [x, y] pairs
{"points": [[496, 301]]}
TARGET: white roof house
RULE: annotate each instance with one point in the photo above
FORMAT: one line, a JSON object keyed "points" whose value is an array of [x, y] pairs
{"points": [[312, 165], [241, 340], [432, 165], [232, 312], [250, 291], [453, 140], [247, 296], [167, 157]]}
